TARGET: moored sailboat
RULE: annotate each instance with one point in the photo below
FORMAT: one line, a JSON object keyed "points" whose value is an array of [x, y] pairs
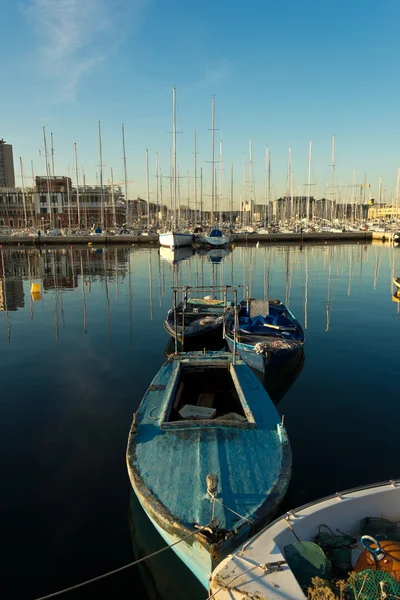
{"points": [[172, 237]]}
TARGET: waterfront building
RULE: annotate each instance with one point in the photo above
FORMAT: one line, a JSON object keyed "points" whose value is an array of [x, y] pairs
{"points": [[7, 177], [383, 211]]}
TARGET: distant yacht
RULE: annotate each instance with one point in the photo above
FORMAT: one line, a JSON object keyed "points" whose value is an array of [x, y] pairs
{"points": [[173, 238]]}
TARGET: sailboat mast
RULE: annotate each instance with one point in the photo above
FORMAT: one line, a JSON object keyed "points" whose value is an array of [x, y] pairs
{"points": [[201, 195], [196, 218], [309, 184], [231, 216], [113, 197], [52, 154], [125, 175], [84, 199], [147, 188], [252, 192], [220, 182], [174, 158], [49, 208], [157, 190], [77, 186], [23, 192], [101, 180], [212, 161], [397, 193], [353, 212], [333, 175]]}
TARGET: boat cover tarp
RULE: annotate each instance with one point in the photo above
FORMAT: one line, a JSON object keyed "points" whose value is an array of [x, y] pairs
{"points": [[216, 233]]}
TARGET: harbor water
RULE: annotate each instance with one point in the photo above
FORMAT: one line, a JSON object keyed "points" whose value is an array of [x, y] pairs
{"points": [[79, 350]]}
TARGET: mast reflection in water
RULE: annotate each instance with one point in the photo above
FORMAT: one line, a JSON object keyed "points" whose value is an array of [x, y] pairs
{"points": [[78, 358]]}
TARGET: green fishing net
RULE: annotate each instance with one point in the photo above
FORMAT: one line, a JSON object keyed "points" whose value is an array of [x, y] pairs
{"points": [[307, 560], [373, 585]]}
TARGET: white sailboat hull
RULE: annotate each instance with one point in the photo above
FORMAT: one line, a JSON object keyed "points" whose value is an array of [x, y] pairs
{"points": [[175, 240], [233, 580]]}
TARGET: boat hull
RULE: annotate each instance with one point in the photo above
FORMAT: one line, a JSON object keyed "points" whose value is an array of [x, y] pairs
{"points": [[168, 462], [341, 512], [175, 240], [215, 242], [266, 360]]}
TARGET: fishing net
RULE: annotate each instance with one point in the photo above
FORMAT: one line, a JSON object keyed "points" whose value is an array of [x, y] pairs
{"points": [[380, 529], [337, 548], [307, 560], [372, 585]]}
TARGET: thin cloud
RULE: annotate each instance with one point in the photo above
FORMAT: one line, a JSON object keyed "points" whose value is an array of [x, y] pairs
{"points": [[214, 73], [73, 37]]}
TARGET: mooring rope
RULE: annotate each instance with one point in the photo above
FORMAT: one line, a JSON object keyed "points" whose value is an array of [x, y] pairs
{"points": [[132, 564], [264, 567]]}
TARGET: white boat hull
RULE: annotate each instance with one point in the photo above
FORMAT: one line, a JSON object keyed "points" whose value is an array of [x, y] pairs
{"points": [[175, 240], [232, 578]]}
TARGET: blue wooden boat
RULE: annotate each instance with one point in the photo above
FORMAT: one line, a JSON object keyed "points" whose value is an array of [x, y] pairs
{"points": [[208, 457], [268, 334]]}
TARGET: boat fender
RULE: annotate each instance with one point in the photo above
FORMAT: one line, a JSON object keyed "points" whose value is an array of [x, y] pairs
{"points": [[212, 484]]}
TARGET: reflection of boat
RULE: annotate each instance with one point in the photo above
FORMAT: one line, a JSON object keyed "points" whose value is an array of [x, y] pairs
{"points": [[216, 255], [207, 456], [268, 334], [396, 281], [276, 562], [196, 316], [174, 255], [279, 382], [156, 571], [396, 296]]}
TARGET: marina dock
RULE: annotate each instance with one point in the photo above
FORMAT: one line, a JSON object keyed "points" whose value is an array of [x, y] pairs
{"points": [[236, 238]]}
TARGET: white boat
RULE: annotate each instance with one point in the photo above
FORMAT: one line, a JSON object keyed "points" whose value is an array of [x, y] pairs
{"points": [[259, 568], [175, 240]]}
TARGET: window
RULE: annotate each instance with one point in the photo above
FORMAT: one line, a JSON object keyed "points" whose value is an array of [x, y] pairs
{"points": [[43, 210], [11, 221]]}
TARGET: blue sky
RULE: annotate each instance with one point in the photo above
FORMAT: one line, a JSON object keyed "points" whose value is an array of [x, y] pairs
{"points": [[282, 73]]}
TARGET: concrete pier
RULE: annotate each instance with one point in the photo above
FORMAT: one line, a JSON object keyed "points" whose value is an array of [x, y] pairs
{"points": [[239, 238]]}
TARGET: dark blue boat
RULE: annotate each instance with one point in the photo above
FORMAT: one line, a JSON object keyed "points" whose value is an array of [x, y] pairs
{"points": [[207, 456], [268, 334]]}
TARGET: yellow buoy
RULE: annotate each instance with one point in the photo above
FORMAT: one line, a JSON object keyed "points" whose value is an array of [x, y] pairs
{"points": [[90, 243], [35, 288], [36, 296]]}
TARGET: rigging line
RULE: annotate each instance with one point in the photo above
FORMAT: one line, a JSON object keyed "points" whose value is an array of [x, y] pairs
{"points": [[264, 567], [232, 511], [124, 567]]}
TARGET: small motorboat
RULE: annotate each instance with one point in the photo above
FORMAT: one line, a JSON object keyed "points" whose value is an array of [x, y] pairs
{"points": [[197, 316], [268, 334], [208, 456], [356, 530]]}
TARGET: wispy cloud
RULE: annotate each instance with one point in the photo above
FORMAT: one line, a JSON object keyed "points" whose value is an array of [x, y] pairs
{"points": [[213, 74], [73, 37]]}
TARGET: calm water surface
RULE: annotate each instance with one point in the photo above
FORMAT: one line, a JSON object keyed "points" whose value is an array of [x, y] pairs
{"points": [[77, 361]]}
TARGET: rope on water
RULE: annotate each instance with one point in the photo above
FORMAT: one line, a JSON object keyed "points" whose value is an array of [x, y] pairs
{"points": [[124, 567]]}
